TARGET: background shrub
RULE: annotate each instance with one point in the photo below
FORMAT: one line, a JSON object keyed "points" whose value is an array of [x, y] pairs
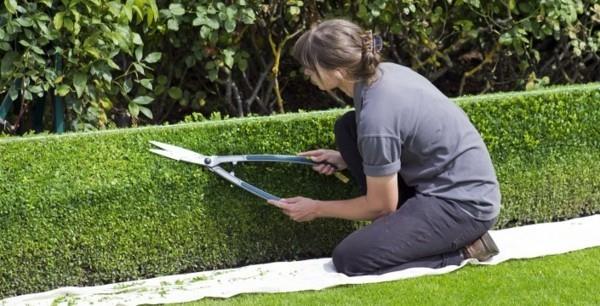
{"points": [[130, 62]]}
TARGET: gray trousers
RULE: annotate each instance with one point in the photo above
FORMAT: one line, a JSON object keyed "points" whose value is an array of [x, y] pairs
{"points": [[424, 231]]}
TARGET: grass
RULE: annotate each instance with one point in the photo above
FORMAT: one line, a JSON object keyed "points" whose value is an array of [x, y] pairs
{"points": [[572, 279]]}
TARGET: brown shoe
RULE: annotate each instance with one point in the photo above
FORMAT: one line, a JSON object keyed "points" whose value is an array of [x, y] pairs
{"points": [[481, 249]]}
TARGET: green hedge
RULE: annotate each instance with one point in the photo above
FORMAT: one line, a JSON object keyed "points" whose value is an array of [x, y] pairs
{"points": [[84, 209]]}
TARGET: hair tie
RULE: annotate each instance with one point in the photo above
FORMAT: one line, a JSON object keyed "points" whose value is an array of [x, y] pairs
{"points": [[377, 44], [372, 44], [367, 42]]}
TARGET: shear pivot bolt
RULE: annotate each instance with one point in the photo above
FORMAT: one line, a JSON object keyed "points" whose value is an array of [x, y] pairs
{"points": [[207, 161]]}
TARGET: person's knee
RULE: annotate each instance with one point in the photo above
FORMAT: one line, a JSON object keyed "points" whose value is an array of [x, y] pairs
{"points": [[346, 261]]}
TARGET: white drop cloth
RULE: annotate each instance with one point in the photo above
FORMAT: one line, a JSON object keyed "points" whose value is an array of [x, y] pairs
{"points": [[313, 274]]}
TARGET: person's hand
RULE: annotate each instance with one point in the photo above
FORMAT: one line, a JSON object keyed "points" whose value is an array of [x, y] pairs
{"points": [[299, 209], [329, 156]]}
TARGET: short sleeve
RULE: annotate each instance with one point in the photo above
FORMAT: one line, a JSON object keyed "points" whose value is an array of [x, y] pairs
{"points": [[380, 154]]}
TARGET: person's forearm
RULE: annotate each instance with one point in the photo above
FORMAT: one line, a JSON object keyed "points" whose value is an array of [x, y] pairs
{"points": [[352, 209]]}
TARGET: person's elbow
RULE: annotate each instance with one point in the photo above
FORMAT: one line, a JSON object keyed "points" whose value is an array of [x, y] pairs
{"points": [[382, 195], [386, 209], [380, 207]]}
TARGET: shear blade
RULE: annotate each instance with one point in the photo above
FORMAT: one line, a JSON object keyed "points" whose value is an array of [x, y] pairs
{"points": [[165, 153], [177, 153]]}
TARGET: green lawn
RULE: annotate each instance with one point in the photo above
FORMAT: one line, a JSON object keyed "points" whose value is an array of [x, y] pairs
{"points": [[572, 279]]}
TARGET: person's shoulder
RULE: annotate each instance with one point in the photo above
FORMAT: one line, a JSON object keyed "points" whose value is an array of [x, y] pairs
{"points": [[394, 68], [396, 78], [391, 65], [395, 82]]}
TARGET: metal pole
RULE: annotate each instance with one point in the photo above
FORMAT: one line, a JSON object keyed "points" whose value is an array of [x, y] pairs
{"points": [[59, 105], [7, 102]]}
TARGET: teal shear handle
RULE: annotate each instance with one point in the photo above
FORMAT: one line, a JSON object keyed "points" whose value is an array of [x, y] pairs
{"points": [[258, 192], [257, 158], [285, 159], [242, 184]]}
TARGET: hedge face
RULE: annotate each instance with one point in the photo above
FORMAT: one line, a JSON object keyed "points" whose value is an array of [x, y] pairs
{"points": [[84, 209]]}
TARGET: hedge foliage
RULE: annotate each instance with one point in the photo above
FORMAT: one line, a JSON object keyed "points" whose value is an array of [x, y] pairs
{"points": [[92, 208], [150, 61]]}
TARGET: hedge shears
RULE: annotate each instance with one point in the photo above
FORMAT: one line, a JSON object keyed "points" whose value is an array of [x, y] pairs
{"points": [[213, 164]]}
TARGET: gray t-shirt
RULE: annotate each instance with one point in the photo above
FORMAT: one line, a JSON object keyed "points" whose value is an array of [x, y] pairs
{"points": [[406, 125]]}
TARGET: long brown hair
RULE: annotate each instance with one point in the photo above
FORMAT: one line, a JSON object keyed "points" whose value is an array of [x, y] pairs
{"points": [[339, 43]]}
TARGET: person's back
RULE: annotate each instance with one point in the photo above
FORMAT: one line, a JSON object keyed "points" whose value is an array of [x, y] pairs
{"points": [[440, 152]]}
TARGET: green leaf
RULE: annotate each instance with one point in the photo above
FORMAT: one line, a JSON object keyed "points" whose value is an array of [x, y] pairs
{"points": [[63, 90], [105, 103], [127, 86], [24, 21], [112, 64], [146, 111], [153, 57], [475, 3], [37, 50], [231, 11], [176, 9], [198, 21], [205, 32], [137, 39], [68, 24], [24, 43], [506, 39], [134, 110], [13, 93], [162, 79], [36, 89], [212, 23], [211, 9], [93, 51], [140, 15], [139, 52], [11, 6], [147, 83], [229, 57], [7, 62], [138, 67], [230, 26], [173, 25], [143, 100], [242, 64], [190, 61], [80, 82], [107, 76], [248, 16], [213, 75], [27, 95], [175, 93], [127, 12]]}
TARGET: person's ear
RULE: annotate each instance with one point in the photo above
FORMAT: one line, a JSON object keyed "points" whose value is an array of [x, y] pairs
{"points": [[340, 74]]}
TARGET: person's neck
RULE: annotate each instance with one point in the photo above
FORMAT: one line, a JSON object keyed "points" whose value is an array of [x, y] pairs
{"points": [[347, 87]]}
